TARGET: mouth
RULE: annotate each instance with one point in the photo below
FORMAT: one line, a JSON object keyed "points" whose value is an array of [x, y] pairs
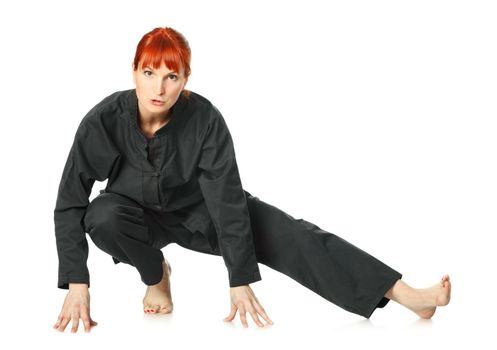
{"points": [[157, 102]]}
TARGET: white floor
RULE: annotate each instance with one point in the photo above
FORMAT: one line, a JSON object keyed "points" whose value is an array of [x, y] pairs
{"points": [[201, 300]]}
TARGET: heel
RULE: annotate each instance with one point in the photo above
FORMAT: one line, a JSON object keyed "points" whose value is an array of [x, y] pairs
{"points": [[168, 266]]}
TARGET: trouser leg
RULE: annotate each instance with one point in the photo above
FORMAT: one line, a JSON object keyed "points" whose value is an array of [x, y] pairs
{"points": [[119, 227], [319, 260]]}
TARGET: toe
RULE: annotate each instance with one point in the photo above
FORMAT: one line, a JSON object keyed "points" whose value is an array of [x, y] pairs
{"points": [[148, 308], [444, 280], [166, 309], [446, 283]]}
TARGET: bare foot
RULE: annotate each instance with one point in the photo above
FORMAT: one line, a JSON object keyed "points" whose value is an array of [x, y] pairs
{"points": [[423, 302], [157, 298], [437, 295]]}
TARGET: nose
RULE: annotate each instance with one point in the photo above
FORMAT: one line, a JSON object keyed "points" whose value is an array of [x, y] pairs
{"points": [[159, 87]]}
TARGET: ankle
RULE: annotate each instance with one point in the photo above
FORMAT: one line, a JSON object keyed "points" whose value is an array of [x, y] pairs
{"points": [[402, 293]]}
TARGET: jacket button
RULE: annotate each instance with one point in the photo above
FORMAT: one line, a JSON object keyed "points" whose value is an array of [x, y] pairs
{"points": [[158, 207]]}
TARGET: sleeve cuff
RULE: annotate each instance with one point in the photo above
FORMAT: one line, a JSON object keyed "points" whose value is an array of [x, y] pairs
{"points": [[63, 282], [245, 280]]}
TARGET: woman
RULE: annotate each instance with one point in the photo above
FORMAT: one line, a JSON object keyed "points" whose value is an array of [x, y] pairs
{"points": [[173, 178]]}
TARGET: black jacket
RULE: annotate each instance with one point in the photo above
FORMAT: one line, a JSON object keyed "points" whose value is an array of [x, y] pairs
{"points": [[189, 166]]}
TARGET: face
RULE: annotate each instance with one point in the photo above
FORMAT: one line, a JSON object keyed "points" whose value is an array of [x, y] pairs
{"points": [[157, 90]]}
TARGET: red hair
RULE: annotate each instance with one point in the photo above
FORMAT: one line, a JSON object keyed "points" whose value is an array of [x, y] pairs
{"points": [[164, 45]]}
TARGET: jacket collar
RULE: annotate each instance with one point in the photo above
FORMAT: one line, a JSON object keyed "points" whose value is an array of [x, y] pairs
{"points": [[132, 109]]}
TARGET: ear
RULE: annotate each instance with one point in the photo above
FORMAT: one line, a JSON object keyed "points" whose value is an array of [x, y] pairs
{"points": [[133, 72]]}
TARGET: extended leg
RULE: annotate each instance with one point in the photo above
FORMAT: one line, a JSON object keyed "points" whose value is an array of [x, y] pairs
{"points": [[319, 260]]}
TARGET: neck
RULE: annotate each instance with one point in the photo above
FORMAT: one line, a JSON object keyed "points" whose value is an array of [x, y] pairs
{"points": [[153, 119]]}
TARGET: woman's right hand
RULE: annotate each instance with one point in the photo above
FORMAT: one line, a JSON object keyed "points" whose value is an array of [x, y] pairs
{"points": [[76, 306]]}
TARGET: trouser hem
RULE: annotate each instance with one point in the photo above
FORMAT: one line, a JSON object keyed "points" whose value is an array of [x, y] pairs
{"points": [[382, 301]]}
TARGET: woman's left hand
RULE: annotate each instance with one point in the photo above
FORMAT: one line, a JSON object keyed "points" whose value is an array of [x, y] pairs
{"points": [[243, 299]]}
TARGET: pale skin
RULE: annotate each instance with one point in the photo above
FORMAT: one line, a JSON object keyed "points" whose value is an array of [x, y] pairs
{"points": [[165, 85]]}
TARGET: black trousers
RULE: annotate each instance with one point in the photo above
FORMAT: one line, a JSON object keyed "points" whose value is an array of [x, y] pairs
{"points": [[319, 260]]}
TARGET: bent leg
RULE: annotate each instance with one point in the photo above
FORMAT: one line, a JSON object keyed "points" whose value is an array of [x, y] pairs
{"points": [[319, 260], [118, 226]]}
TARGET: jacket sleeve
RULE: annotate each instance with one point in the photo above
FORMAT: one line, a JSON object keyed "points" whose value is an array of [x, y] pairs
{"points": [[222, 190], [90, 158]]}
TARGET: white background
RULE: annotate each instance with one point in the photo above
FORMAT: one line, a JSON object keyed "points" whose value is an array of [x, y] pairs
{"points": [[375, 120]]}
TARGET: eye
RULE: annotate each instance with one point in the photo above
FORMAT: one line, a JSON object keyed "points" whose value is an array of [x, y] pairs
{"points": [[173, 76], [146, 72]]}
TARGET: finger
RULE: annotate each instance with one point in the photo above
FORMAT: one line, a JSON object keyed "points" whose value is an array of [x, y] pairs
{"points": [[85, 316], [255, 317], [260, 309], [63, 323], [262, 312], [75, 323], [243, 318], [232, 314], [92, 323], [57, 324]]}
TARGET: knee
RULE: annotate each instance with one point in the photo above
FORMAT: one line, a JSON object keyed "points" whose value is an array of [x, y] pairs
{"points": [[102, 215]]}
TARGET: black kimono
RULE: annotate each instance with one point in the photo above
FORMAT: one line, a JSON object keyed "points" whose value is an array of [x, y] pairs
{"points": [[183, 186]]}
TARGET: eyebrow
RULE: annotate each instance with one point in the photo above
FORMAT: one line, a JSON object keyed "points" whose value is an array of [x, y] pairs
{"points": [[173, 71]]}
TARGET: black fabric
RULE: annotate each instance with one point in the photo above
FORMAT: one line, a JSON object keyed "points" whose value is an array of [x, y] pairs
{"points": [[188, 167], [321, 261], [183, 185]]}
